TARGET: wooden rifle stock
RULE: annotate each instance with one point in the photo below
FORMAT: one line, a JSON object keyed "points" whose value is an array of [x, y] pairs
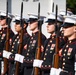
{"points": [[20, 44], [38, 53], [56, 54], [7, 42], [19, 52]]}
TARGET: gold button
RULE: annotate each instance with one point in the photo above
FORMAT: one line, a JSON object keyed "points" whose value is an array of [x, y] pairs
{"points": [[13, 43], [27, 53], [44, 58], [64, 54], [48, 45], [70, 41], [68, 57], [33, 44], [45, 53], [12, 46], [49, 65], [63, 63], [2, 38], [28, 50], [63, 59], [31, 37], [68, 54], [65, 50], [30, 41], [45, 65], [12, 50], [50, 41], [63, 67], [66, 45], [51, 48], [50, 51], [27, 59], [15, 39]]}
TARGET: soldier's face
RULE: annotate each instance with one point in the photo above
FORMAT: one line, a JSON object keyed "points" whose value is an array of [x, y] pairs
{"points": [[3, 22], [33, 25], [18, 27], [68, 31], [50, 28]]}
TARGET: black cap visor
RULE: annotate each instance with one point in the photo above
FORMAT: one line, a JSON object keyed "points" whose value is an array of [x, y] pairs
{"points": [[31, 20], [66, 25], [2, 17]]}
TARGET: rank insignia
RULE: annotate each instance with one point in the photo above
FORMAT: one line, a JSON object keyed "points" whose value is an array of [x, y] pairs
{"points": [[3, 35], [53, 45], [70, 50], [34, 41], [25, 47]]}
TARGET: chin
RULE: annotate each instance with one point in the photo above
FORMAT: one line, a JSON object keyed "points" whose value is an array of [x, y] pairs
{"points": [[65, 35]]}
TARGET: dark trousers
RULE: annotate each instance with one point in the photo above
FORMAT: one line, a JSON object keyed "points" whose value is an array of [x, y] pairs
{"points": [[11, 68], [46, 72], [28, 70]]}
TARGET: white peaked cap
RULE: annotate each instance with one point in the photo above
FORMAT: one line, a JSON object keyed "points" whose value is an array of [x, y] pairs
{"points": [[63, 13], [70, 19], [53, 16], [17, 17], [34, 16], [2, 13], [73, 16]]}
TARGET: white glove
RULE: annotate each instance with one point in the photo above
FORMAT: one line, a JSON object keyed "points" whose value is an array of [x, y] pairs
{"points": [[75, 67], [19, 58], [55, 71], [5, 53], [75, 73], [58, 71], [8, 55], [37, 63]]}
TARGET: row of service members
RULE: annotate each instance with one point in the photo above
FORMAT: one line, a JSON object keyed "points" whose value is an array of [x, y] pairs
{"points": [[29, 48]]}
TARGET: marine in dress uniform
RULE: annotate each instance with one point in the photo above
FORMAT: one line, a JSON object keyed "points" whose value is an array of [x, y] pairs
{"points": [[3, 33], [63, 14], [49, 46], [15, 43], [67, 54], [69, 50], [29, 54]]}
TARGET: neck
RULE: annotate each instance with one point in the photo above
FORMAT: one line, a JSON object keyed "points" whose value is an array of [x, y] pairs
{"points": [[53, 34], [72, 37]]}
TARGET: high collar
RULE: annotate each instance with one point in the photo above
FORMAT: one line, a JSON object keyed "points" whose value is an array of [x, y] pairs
{"points": [[71, 41], [33, 34]]}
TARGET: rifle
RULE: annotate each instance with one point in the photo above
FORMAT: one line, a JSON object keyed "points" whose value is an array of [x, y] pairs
{"points": [[21, 40], [38, 52], [8, 21], [56, 54]]}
